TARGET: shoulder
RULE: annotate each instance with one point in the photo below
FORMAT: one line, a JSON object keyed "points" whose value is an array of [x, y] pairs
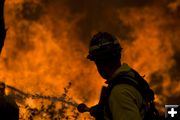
{"points": [[125, 93], [123, 102], [125, 89]]}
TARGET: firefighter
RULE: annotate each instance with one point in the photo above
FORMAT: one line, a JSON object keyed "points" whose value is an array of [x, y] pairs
{"points": [[8, 107], [127, 96]]}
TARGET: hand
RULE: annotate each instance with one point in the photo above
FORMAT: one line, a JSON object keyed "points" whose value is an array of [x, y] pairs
{"points": [[83, 108]]}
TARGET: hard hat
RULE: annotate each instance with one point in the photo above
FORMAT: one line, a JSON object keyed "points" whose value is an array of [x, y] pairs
{"points": [[104, 46]]}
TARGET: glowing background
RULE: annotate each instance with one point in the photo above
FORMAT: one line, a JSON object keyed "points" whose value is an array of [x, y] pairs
{"points": [[47, 43]]}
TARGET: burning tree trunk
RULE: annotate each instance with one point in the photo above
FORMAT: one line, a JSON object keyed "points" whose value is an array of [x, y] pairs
{"points": [[2, 25]]}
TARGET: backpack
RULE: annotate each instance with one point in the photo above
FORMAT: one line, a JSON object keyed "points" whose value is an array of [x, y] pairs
{"points": [[139, 84]]}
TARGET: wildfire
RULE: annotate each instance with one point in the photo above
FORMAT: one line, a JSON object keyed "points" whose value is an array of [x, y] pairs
{"points": [[47, 43]]}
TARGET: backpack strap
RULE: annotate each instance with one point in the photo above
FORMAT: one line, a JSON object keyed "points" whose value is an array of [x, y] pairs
{"points": [[137, 82], [140, 85]]}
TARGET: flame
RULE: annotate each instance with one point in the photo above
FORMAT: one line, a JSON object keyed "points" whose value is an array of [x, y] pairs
{"points": [[45, 46]]}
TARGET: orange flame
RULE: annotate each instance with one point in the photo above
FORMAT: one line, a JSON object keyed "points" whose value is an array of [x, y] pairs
{"points": [[43, 53]]}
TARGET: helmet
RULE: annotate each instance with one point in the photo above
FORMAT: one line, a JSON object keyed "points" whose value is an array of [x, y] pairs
{"points": [[104, 46]]}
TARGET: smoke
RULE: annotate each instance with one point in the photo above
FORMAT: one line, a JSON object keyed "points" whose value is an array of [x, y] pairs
{"points": [[30, 11], [42, 50], [47, 44]]}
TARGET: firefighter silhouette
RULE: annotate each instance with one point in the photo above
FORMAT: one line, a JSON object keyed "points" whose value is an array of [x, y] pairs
{"points": [[127, 95]]}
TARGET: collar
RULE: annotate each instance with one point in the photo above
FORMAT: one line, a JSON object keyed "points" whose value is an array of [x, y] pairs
{"points": [[123, 69]]}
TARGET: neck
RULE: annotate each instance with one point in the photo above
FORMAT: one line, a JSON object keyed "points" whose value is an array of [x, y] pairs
{"points": [[113, 68]]}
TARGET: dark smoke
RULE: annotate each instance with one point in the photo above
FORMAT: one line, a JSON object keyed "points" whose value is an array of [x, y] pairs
{"points": [[100, 15], [173, 100], [31, 11], [156, 79], [171, 30], [24, 42], [174, 71], [96, 16]]}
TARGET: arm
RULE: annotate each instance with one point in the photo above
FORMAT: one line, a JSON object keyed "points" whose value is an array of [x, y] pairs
{"points": [[123, 103], [2, 25]]}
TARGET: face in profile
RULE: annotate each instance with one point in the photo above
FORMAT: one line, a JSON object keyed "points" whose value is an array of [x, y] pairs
{"points": [[102, 68]]}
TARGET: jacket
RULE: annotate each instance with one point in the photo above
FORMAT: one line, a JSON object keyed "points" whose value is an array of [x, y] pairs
{"points": [[124, 101]]}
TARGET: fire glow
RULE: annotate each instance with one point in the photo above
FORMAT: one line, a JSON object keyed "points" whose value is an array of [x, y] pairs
{"points": [[46, 46]]}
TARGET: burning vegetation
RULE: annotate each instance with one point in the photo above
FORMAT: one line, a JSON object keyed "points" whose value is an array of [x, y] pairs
{"points": [[46, 47]]}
